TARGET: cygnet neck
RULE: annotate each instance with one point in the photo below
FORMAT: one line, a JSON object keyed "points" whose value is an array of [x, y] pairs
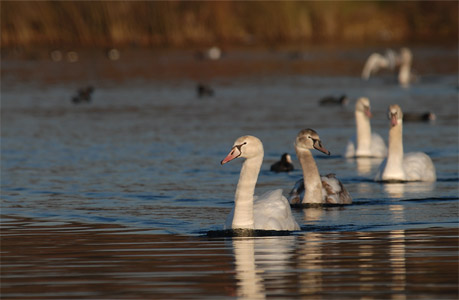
{"points": [[311, 176]]}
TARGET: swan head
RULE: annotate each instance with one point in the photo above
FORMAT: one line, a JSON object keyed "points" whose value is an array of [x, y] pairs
{"points": [[246, 146], [363, 105], [395, 115], [309, 139]]}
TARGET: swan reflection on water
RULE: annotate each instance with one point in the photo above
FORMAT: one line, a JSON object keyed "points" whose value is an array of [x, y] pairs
{"points": [[260, 259], [311, 261], [312, 215], [317, 259], [367, 165], [398, 263], [398, 189]]}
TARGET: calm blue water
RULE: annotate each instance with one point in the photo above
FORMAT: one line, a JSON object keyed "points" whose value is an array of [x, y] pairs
{"points": [[114, 188], [145, 153]]}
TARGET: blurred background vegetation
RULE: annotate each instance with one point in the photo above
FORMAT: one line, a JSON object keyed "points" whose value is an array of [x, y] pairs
{"points": [[225, 23]]}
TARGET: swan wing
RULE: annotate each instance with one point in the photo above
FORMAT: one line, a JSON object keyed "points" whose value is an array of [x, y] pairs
{"points": [[297, 192], [350, 147], [334, 191], [374, 62], [418, 166], [380, 171], [272, 211], [378, 146]]}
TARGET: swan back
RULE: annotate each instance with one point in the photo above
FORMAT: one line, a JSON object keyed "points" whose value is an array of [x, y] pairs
{"points": [[272, 212], [334, 191], [418, 166]]}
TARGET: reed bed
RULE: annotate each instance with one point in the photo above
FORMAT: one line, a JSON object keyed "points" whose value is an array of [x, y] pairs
{"points": [[185, 23]]}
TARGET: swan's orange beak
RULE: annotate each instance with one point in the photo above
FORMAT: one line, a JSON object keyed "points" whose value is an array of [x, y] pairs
{"points": [[234, 153]]}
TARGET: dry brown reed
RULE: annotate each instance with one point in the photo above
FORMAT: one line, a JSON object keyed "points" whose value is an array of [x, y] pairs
{"points": [[185, 23]]}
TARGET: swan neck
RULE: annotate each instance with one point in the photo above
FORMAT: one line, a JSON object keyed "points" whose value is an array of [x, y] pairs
{"points": [[404, 74], [243, 201], [363, 127], [311, 177], [395, 151]]}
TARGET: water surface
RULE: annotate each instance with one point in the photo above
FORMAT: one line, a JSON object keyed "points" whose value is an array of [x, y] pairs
{"points": [[113, 199]]}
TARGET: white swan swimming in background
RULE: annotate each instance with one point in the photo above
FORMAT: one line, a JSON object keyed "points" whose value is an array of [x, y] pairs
{"points": [[390, 61], [319, 190], [270, 211], [414, 166], [365, 143]]}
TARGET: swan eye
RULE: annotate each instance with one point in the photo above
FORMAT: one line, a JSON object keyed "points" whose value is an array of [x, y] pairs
{"points": [[240, 146]]}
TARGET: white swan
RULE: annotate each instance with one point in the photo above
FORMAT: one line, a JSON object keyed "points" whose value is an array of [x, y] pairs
{"points": [[414, 166], [319, 190], [365, 143], [270, 211], [390, 61]]}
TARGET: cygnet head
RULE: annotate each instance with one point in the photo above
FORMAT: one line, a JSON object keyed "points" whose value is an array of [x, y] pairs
{"points": [[363, 105], [309, 139], [395, 115], [246, 146]]}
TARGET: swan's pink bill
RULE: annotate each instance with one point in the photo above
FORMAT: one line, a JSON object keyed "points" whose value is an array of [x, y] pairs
{"points": [[368, 113], [235, 153], [393, 120]]}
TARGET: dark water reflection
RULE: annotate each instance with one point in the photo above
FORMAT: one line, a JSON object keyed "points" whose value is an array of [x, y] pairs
{"points": [[55, 260]]}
